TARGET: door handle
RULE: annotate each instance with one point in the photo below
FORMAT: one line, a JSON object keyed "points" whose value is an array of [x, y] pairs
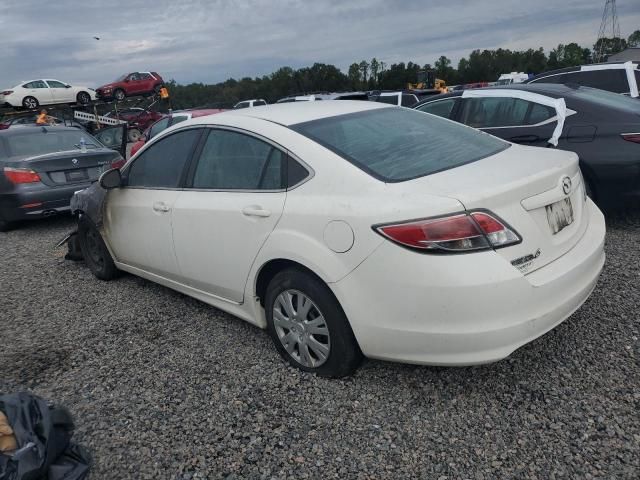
{"points": [[161, 207], [255, 211], [525, 138]]}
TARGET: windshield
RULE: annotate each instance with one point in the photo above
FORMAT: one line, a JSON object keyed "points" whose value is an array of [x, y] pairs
{"points": [[40, 143], [397, 144], [121, 78], [608, 99]]}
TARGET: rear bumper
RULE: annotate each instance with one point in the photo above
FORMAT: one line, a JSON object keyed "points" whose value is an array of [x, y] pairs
{"points": [[464, 309], [36, 201]]}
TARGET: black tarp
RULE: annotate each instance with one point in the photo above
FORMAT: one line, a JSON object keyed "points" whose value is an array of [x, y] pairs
{"points": [[43, 433]]}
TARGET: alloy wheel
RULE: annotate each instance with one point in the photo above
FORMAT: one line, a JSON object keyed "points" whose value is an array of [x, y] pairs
{"points": [[301, 328]]}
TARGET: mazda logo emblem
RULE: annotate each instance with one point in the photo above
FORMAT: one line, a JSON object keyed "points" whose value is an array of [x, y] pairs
{"points": [[75, 162], [566, 185]]}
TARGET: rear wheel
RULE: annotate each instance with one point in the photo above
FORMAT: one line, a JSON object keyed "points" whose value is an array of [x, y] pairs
{"points": [[95, 252], [83, 98], [308, 326], [119, 94], [30, 103]]}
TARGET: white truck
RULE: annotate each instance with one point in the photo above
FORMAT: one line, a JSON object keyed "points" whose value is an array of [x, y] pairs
{"points": [[513, 77]]}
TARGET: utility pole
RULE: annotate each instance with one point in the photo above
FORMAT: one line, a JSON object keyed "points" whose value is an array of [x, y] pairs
{"points": [[608, 25]]}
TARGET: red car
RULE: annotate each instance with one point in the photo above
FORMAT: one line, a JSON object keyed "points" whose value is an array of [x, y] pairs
{"points": [[131, 84], [138, 120], [168, 121]]}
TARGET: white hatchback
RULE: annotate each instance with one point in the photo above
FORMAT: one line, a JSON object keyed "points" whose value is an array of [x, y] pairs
{"points": [[35, 93], [350, 228]]}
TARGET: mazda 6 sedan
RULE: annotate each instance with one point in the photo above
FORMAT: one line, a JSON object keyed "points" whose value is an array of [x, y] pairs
{"points": [[351, 229]]}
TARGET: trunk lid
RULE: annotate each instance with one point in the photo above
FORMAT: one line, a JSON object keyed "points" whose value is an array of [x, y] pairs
{"points": [[65, 168], [538, 192]]}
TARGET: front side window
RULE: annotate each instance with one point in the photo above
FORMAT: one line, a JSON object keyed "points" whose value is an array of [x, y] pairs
{"points": [[161, 164], [159, 126], [235, 161], [441, 108], [397, 144], [56, 84], [494, 112], [145, 76]]}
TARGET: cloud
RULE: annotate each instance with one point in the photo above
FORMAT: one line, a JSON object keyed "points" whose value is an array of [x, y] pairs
{"points": [[210, 41]]}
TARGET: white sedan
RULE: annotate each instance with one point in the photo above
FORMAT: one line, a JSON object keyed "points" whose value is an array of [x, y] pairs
{"points": [[355, 228], [34, 93]]}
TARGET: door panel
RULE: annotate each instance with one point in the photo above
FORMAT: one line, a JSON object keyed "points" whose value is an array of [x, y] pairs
{"points": [[217, 236], [138, 229]]}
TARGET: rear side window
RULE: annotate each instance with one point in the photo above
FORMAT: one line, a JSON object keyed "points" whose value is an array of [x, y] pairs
{"points": [[259, 103], [611, 80], [396, 144], [540, 113], [441, 108], [234, 161], [390, 99], [161, 164], [409, 100], [494, 112], [178, 119], [35, 84]]}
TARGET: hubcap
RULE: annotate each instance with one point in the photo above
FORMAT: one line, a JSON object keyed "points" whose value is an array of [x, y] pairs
{"points": [[31, 103], [120, 95], [301, 328]]}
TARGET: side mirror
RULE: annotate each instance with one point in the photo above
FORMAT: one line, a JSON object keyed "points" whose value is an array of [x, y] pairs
{"points": [[110, 179], [67, 86]]}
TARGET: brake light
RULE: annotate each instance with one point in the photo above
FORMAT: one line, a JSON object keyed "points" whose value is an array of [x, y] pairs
{"points": [[118, 163], [631, 137], [19, 175], [463, 232], [6, 92]]}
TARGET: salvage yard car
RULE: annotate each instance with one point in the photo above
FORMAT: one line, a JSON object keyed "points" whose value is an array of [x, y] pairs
{"points": [[601, 127], [354, 228], [131, 84], [34, 93], [41, 168]]}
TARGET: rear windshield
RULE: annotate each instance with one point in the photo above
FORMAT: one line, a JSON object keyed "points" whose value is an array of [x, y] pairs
{"points": [[608, 99], [398, 144], [40, 143]]}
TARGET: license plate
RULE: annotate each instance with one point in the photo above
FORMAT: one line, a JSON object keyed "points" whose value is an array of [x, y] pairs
{"points": [[559, 215], [76, 175]]}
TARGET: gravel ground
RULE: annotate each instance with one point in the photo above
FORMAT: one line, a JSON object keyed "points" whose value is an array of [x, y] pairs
{"points": [[162, 386]]}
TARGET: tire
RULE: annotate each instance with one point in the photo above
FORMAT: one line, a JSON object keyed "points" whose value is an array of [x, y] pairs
{"points": [[95, 252], [133, 135], [5, 225], [30, 103], [83, 98], [119, 95], [328, 348]]}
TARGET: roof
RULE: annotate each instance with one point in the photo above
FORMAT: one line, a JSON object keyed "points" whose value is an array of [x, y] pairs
{"points": [[631, 53], [612, 64], [299, 112]]}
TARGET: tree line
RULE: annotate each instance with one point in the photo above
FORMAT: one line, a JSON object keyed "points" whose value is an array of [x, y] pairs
{"points": [[479, 66]]}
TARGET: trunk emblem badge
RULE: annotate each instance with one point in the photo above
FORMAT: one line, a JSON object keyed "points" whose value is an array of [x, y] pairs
{"points": [[74, 161], [566, 185]]}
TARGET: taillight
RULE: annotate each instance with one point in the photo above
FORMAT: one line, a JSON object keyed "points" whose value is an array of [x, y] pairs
{"points": [[118, 163], [6, 92], [19, 175], [464, 232], [631, 137]]}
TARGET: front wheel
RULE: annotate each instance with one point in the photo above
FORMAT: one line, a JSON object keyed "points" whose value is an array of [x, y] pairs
{"points": [[95, 252], [308, 326], [119, 95], [133, 135]]}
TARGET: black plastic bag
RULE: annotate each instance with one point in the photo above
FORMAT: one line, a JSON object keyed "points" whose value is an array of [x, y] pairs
{"points": [[43, 433]]}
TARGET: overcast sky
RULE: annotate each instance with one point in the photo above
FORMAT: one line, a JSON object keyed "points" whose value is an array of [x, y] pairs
{"points": [[212, 40]]}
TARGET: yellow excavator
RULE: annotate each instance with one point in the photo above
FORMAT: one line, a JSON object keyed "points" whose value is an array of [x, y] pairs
{"points": [[428, 83]]}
